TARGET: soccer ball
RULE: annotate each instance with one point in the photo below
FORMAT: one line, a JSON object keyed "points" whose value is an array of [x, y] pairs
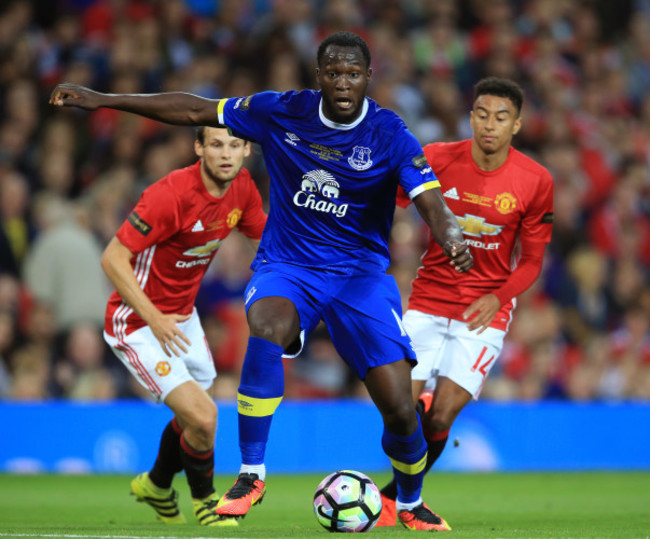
{"points": [[347, 501]]}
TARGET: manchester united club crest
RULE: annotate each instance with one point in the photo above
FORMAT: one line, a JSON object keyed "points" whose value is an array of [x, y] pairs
{"points": [[233, 218], [505, 203], [163, 368]]}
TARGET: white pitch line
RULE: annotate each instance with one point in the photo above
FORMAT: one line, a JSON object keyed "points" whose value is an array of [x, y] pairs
{"points": [[79, 536]]}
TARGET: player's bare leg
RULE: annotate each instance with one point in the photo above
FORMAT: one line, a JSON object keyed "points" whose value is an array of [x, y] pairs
{"points": [[196, 413], [448, 401], [186, 443], [390, 389]]}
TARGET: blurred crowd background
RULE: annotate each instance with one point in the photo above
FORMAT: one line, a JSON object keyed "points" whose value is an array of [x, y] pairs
{"points": [[69, 178]]}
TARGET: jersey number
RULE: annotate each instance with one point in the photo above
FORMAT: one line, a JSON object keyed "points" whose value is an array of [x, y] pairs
{"points": [[482, 368]]}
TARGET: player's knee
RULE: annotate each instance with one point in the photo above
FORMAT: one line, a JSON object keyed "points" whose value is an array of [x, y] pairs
{"points": [[202, 422], [201, 434], [439, 420], [400, 418], [278, 331]]}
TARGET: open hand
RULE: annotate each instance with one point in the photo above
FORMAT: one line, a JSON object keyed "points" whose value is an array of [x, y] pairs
{"points": [[481, 312], [171, 338]]}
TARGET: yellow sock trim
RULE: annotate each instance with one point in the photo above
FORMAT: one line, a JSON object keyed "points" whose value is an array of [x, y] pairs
{"points": [[256, 407], [410, 469]]}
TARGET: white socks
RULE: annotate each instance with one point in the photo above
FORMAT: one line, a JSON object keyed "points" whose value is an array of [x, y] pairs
{"points": [[259, 469], [401, 506]]}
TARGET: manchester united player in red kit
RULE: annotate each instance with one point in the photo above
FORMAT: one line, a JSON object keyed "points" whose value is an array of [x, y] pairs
{"points": [[503, 201], [156, 262]]}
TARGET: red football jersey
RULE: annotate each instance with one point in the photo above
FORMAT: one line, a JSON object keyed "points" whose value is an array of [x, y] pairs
{"points": [[175, 230], [494, 209]]}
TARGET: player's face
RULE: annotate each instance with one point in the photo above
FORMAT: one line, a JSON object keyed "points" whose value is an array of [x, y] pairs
{"points": [[343, 78], [494, 122], [222, 155]]}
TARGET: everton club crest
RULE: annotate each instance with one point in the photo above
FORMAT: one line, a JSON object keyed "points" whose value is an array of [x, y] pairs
{"points": [[360, 158]]}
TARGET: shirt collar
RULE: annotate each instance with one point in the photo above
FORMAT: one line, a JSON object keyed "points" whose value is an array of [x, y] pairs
{"points": [[343, 127]]}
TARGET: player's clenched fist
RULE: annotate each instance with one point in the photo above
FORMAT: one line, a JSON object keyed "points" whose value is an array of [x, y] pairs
{"points": [[74, 95], [460, 256]]}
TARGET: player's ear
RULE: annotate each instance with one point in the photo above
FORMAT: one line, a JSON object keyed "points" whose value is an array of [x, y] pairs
{"points": [[198, 148], [517, 126], [247, 149]]}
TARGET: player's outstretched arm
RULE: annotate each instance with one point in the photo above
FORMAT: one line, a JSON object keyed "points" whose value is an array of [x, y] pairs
{"points": [[445, 228], [178, 108], [116, 263]]}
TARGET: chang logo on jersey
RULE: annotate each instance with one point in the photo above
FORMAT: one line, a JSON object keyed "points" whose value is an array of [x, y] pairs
{"points": [[472, 225], [315, 186], [360, 158]]}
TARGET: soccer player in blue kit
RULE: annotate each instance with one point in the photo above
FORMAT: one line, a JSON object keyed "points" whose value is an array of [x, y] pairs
{"points": [[335, 159]]}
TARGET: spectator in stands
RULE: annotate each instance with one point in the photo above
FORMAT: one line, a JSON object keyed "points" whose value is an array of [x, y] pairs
{"points": [[585, 66], [62, 269]]}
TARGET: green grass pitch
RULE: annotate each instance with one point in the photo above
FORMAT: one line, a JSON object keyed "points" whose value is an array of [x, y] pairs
{"points": [[531, 505]]}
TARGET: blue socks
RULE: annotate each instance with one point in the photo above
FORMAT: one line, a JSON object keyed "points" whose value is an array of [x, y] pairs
{"points": [[260, 391], [408, 455]]}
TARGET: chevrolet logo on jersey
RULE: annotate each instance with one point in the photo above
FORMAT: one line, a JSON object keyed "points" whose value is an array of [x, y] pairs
{"points": [[204, 250], [476, 226]]}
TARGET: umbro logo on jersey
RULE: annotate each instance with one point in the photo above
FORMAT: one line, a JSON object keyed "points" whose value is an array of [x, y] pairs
{"points": [[451, 193], [198, 226], [292, 138]]}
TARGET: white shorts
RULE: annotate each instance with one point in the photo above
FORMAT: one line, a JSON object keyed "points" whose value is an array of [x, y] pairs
{"points": [[445, 347], [142, 354]]}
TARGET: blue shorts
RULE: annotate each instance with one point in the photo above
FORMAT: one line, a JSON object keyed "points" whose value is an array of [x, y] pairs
{"points": [[363, 313]]}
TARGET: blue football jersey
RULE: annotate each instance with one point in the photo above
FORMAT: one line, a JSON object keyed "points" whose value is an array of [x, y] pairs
{"points": [[333, 186]]}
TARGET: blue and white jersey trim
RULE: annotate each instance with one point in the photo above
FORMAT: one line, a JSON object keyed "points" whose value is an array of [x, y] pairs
{"points": [[424, 187]]}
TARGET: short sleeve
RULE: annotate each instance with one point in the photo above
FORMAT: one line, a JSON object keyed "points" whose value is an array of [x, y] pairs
{"points": [[415, 173], [253, 218], [248, 117], [154, 219]]}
